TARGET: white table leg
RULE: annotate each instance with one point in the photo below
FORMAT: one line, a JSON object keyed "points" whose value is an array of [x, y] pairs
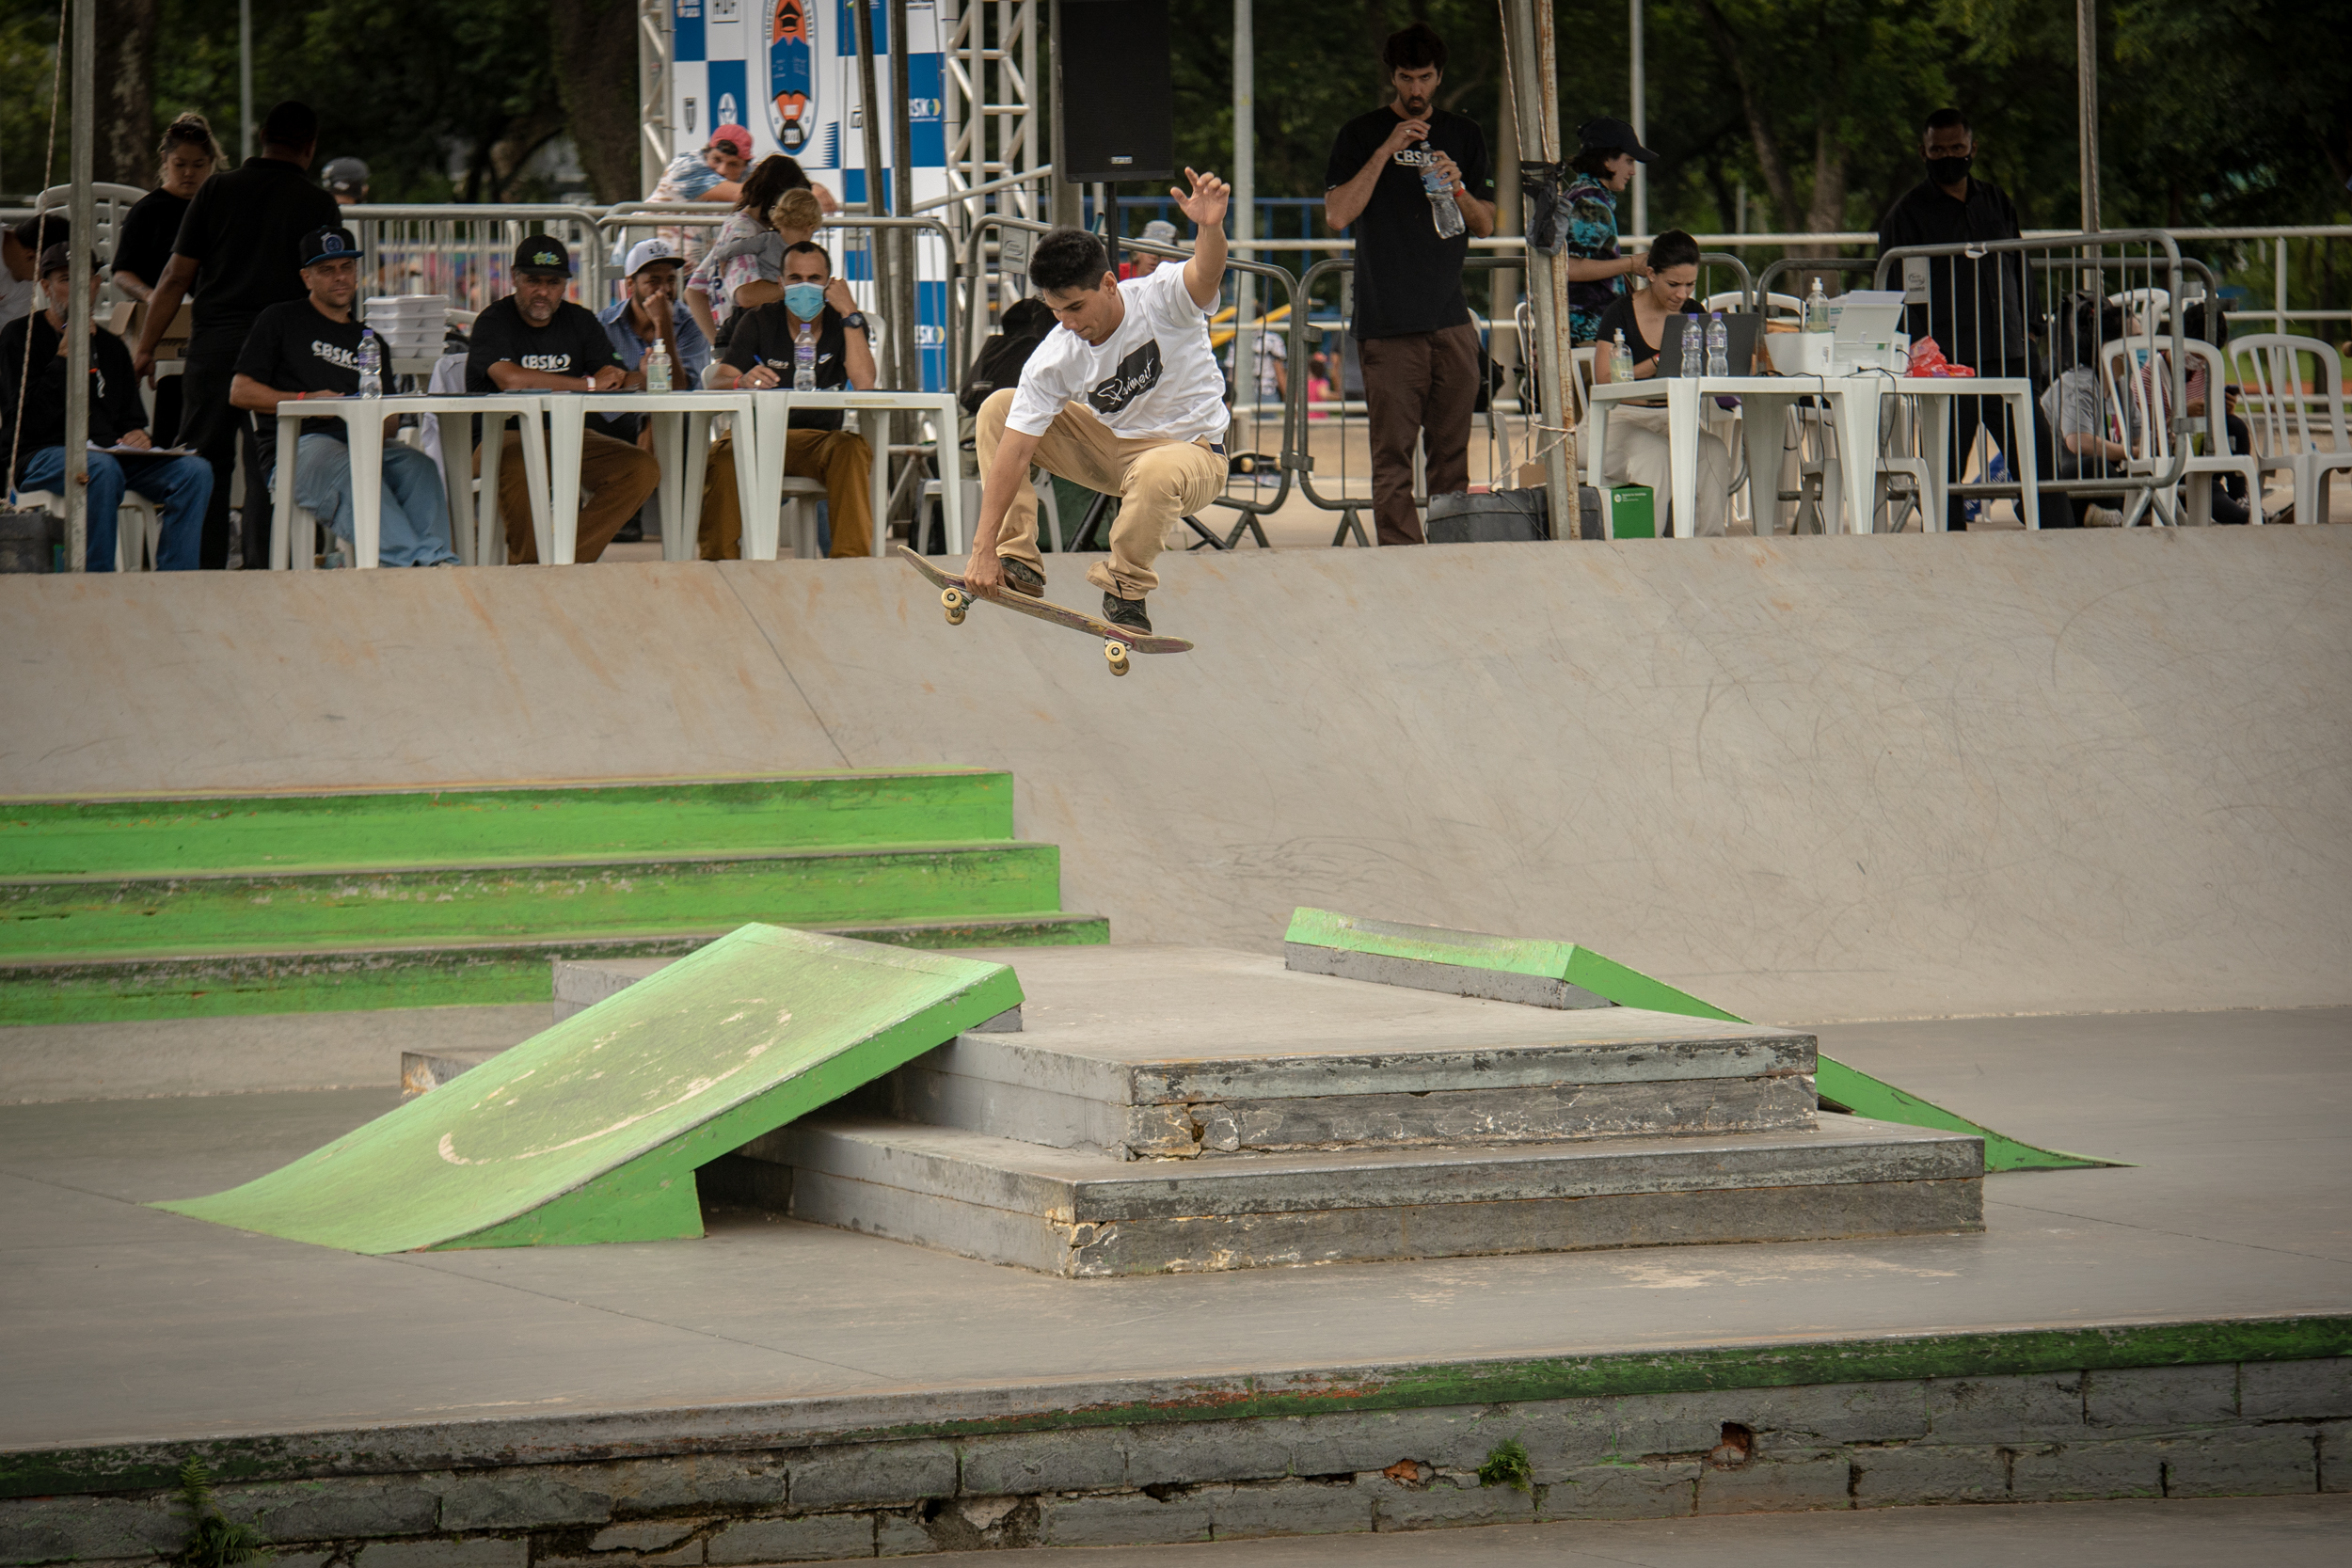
{"points": [[281, 551], [2023, 464], [490, 525], [457, 485], [877, 524], [1682, 443], [1856, 403], [746, 448], [567, 431], [536, 483], [950, 479], [693, 460], [1764, 423], [669, 456], [365, 433], [1936, 439], [771, 414]]}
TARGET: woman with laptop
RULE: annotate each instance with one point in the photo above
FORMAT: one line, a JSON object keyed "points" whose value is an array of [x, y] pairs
{"points": [[1639, 452]]}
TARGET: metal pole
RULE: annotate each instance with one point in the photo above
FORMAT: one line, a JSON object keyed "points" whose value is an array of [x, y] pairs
{"points": [[1535, 71], [2086, 105], [244, 75], [1067, 196], [1244, 203], [1641, 171], [907, 356], [77, 327]]}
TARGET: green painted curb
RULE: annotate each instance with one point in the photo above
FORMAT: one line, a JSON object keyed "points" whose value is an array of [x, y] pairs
{"points": [[1837, 1084], [640, 1433], [592, 1131], [328, 979], [177, 835], [235, 911]]}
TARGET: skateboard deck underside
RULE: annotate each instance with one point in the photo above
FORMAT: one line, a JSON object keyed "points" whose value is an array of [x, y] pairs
{"points": [[1042, 609]]}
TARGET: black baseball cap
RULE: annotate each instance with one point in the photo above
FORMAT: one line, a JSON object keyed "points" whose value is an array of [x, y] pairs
{"points": [[1613, 135], [542, 253], [330, 244], [58, 258]]}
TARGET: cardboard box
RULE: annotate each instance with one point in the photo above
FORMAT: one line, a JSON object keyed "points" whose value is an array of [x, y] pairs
{"points": [[1633, 511]]}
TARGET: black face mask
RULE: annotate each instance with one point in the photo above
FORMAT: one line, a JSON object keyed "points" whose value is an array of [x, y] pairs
{"points": [[1949, 171]]}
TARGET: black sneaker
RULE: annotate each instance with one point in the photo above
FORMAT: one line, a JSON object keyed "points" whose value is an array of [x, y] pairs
{"points": [[633, 533], [1022, 577], [1127, 614]]}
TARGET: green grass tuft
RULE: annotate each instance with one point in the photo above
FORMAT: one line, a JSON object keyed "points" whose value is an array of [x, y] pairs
{"points": [[214, 1542], [1507, 1465]]}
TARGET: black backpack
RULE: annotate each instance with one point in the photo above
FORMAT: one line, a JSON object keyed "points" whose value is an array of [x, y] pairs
{"points": [[1024, 324]]}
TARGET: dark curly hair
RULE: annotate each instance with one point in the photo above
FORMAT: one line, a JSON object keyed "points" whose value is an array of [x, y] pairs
{"points": [[1067, 259], [1415, 47]]}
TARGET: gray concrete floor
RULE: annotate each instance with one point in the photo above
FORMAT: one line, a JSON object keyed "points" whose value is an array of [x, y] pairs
{"points": [[2278, 1532], [154, 1325]]}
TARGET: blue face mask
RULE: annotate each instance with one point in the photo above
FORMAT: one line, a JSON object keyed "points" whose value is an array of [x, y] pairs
{"points": [[804, 300]]}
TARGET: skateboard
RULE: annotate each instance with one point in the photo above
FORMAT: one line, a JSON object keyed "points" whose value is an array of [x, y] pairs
{"points": [[1118, 642]]}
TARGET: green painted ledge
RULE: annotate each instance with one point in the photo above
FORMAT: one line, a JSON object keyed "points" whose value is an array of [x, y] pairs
{"points": [[178, 835], [145, 1465], [1840, 1086]]}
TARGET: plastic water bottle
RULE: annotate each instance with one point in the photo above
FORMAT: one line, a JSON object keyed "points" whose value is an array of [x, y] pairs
{"points": [[1691, 350], [1620, 359], [371, 361], [1443, 210], [804, 359], [1816, 310], [1718, 345], [658, 369]]}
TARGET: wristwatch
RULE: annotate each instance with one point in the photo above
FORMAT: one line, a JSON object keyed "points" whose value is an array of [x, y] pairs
{"points": [[856, 319]]}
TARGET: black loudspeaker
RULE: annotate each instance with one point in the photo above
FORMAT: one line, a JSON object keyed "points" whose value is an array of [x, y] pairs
{"points": [[1118, 106]]}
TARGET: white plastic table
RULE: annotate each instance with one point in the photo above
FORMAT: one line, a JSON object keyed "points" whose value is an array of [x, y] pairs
{"points": [[1762, 398], [363, 423], [1854, 405], [765, 504], [681, 444]]}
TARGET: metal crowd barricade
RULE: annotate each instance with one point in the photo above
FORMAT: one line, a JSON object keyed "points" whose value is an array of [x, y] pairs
{"points": [[468, 252], [2030, 325]]}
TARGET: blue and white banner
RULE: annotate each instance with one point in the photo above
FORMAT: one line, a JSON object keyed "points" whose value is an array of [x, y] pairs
{"points": [[787, 71]]}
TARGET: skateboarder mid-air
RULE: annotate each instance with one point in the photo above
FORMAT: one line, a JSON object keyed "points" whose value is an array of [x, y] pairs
{"points": [[1123, 397]]}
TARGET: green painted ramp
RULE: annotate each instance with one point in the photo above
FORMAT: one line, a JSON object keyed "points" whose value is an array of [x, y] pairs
{"points": [[591, 1131], [1433, 957]]}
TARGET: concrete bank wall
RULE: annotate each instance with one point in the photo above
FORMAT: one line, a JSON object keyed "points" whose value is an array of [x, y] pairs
{"points": [[1810, 780], [2197, 1430]]}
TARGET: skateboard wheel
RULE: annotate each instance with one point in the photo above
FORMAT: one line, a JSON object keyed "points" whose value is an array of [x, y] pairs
{"points": [[953, 598], [955, 616], [1116, 653]]}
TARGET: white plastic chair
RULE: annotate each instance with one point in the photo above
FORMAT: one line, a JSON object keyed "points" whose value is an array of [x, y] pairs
{"points": [[800, 496], [2151, 395], [2282, 415], [139, 526]]}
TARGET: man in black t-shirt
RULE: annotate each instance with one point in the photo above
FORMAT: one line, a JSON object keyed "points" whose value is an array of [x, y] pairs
{"points": [[536, 340], [237, 251], [1420, 351], [760, 355], [118, 421], [309, 348], [1976, 308]]}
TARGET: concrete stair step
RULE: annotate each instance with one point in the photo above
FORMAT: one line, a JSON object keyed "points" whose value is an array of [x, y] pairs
{"points": [[1062, 1212], [518, 824]]}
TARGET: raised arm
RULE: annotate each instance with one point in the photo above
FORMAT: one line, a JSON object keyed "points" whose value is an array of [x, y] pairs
{"points": [[1343, 204], [1205, 275]]}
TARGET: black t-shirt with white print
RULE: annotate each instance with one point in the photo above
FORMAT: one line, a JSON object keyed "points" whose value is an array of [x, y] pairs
{"points": [[573, 343], [294, 348], [1408, 278]]}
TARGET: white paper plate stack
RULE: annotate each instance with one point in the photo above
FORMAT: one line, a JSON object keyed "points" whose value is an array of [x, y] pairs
{"points": [[411, 326]]}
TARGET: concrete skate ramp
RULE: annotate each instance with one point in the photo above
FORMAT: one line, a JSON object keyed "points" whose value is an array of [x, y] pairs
{"points": [[1809, 779], [593, 1131]]}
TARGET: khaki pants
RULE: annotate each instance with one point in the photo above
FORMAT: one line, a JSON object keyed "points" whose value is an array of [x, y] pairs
{"points": [[1157, 482], [1423, 387], [840, 457], [1639, 453], [614, 476]]}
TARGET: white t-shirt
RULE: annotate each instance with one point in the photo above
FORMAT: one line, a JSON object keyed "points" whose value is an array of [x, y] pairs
{"points": [[1155, 377]]}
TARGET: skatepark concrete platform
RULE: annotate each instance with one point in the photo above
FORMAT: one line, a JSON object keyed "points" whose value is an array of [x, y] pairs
{"points": [[2180, 1326]]}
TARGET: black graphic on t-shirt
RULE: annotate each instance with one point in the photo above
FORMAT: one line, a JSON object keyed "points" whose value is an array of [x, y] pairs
{"points": [[1137, 375]]}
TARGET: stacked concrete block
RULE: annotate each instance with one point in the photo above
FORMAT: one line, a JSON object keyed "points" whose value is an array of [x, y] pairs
{"points": [[2216, 1430]]}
